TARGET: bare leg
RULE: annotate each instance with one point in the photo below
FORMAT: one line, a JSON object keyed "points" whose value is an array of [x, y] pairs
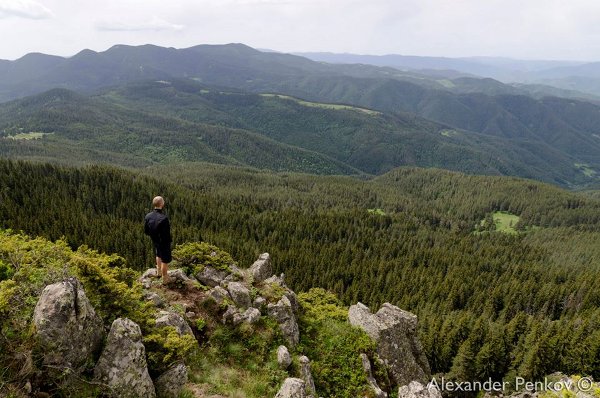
{"points": [[165, 273], [158, 266]]}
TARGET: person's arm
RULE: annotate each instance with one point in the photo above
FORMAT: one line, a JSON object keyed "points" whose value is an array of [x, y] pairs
{"points": [[146, 227], [166, 231]]}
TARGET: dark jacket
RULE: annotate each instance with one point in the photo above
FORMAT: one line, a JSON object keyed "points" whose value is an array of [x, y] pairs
{"points": [[156, 225]]}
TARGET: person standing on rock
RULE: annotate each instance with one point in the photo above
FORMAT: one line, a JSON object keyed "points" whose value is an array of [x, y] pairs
{"points": [[156, 225]]}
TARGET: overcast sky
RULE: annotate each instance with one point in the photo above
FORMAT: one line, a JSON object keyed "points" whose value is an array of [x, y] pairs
{"points": [[543, 29]]}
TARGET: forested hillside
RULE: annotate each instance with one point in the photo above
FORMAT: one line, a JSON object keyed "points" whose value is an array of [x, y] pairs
{"points": [[518, 130], [489, 303], [169, 122]]}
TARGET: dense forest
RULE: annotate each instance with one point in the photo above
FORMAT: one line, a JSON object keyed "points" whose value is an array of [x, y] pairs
{"points": [[490, 303]]}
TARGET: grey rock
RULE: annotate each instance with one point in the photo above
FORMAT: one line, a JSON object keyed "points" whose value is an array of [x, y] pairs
{"points": [[261, 269], [417, 390], [260, 303], [293, 300], [292, 388], [283, 357], [211, 276], [122, 365], [279, 280], [190, 315], [166, 318], [237, 319], [309, 384], [170, 384], [218, 294], [178, 275], [289, 293], [379, 393], [68, 329], [231, 314], [156, 300], [149, 273], [240, 294], [394, 332], [252, 315], [284, 315]]}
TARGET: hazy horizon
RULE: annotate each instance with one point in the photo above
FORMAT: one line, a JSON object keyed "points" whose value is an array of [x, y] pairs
{"points": [[536, 30]]}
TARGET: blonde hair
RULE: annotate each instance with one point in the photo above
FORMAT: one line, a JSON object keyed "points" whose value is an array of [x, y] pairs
{"points": [[158, 202]]}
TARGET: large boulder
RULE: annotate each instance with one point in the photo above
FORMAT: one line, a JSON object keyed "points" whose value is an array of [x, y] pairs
{"points": [[261, 269], [240, 294], [210, 276], [122, 365], [166, 318], [283, 313], [394, 331], [170, 384], [292, 388], [68, 329], [417, 390]]}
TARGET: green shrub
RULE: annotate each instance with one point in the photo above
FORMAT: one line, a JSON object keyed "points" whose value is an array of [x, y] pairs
{"points": [[319, 304], [194, 256], [164, 347], [6, 271], [272, 292], [200, 324], [333, 345]]}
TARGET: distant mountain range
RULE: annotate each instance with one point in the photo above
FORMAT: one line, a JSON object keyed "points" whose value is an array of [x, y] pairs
{"points": [[567, 75], [144, 104]]}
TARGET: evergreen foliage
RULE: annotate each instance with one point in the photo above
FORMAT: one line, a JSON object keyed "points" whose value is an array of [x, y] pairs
{"points": [[489, 305]]}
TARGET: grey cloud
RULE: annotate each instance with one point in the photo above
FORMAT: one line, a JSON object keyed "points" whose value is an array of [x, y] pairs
{"points": [[24, 9]]}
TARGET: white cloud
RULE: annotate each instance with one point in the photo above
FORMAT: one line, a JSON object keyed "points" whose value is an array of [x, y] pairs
{"points": [[24, 9], [154, 24]]}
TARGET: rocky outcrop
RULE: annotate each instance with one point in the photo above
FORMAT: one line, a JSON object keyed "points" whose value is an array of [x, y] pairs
{"points": [[211, 276], [289, 293], [292, 388], [122, 365], [283, 313], [170, 384], [69, 331], [394, 331], [283, 357], [378, 392], [239, 294], [417, 390], [166, 318], [261, 269], [305, 373]]}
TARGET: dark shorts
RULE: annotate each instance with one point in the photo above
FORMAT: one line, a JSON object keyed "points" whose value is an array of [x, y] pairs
{"points": [[164, 253]]}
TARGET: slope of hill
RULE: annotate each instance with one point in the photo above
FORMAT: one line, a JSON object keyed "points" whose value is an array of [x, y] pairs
{"points": [[77, 129], [523, 301], [181, 120], [553, 144]]}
